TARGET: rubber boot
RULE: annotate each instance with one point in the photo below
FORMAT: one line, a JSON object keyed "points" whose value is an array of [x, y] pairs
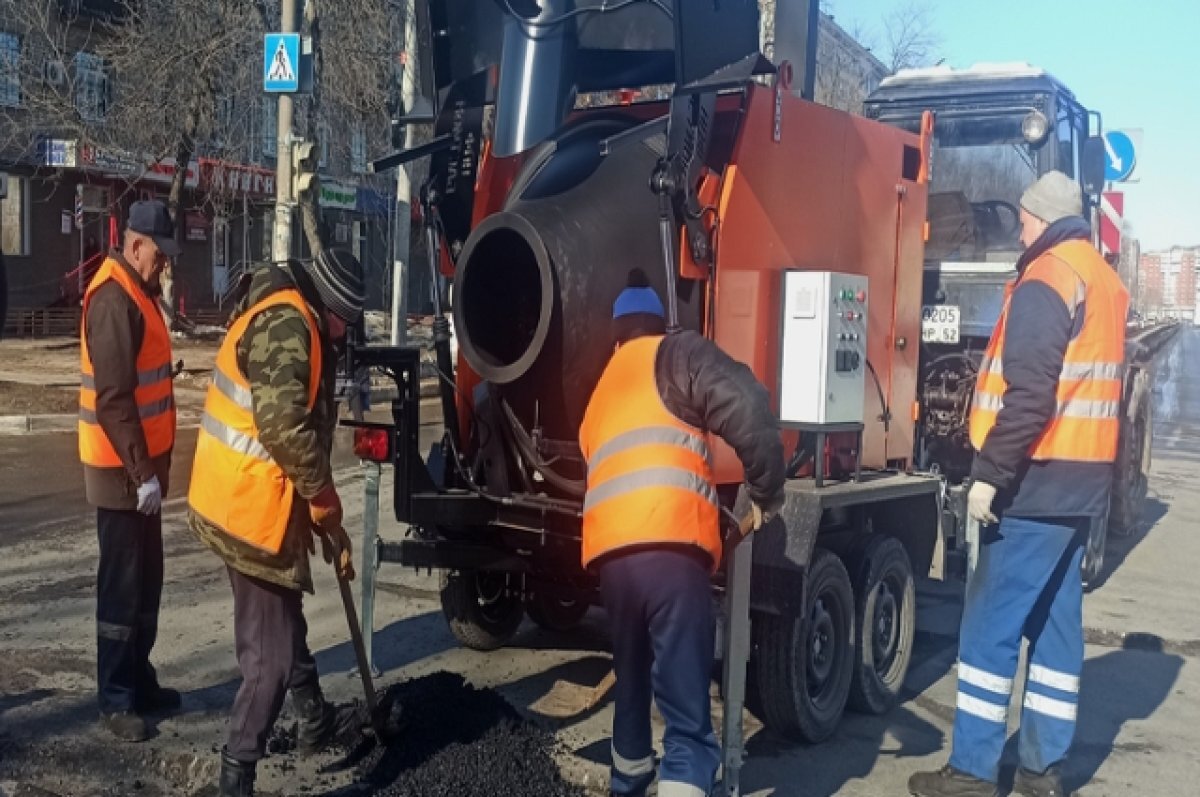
{"points": [[237, 777], [318, 719]]}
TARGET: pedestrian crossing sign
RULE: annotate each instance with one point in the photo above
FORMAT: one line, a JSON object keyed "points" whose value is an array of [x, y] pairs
{"points": [[281, 62]]}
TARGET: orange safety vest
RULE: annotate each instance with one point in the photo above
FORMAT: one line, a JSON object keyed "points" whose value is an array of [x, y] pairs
{"points": [[649, 475], [154, 394], [1086, 423], [236, 484]]}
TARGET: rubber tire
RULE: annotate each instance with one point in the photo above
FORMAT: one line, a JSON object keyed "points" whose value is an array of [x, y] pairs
{"points": [[555, 610], [1132, 476], [474, 624], [884, 559], [781, 658]]}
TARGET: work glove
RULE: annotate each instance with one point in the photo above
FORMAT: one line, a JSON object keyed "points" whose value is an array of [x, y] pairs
{"points": [[149, 497], [979, 503], [325, 509], [764, 513], [336, 548]]}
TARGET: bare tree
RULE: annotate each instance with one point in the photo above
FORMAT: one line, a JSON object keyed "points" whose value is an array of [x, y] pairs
{"points": [[356, 54], [910, 35]]}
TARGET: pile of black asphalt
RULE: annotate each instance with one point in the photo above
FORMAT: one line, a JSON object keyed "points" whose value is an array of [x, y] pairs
{"points": [[455, 739]]}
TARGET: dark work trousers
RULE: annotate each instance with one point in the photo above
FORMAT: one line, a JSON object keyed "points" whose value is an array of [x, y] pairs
{"points": [[129, 583], [659, 605], [270, 636]]}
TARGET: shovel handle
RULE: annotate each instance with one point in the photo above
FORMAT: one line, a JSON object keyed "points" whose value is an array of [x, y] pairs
{"points": [[356, 638]]}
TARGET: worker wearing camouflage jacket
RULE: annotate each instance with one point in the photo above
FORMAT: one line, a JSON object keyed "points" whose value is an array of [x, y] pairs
{"points": [[263, 484]]}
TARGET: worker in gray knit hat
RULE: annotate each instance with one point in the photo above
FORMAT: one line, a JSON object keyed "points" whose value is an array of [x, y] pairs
{"points": [[1054, 196], [1045, 427]]}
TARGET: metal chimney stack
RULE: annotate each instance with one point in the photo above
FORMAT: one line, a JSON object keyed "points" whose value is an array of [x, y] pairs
{"points": [[537, 75]]}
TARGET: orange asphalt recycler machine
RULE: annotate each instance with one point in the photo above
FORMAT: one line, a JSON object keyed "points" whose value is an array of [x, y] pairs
{"points": [[788, 232]]}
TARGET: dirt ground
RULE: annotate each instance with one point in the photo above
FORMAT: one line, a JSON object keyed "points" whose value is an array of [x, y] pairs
{"points": [[39, 377], [18, 398]]}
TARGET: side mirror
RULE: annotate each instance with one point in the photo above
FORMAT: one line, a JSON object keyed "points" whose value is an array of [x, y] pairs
{"points": [[1092, 165]]}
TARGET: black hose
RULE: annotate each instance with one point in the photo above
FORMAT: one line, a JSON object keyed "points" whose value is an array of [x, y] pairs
{"points": [[529, 452]]}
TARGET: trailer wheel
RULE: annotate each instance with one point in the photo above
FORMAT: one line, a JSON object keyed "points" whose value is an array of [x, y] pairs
{"points": [[885, 624], [803, 661], [555, 609], [481, 610]]}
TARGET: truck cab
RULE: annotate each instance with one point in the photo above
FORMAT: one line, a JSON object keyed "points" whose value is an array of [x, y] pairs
{"points": [[996, 129]]}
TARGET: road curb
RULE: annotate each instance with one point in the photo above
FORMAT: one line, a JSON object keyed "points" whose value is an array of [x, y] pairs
{"points": [[27, 424], [66, 422]]}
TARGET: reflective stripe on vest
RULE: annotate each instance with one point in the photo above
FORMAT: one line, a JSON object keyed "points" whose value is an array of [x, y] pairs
{"points": [[236, 484], [1086, 423], [154, 393], [649, 476]]}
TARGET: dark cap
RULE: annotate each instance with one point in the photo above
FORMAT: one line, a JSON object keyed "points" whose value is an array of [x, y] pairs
{"points": [[151, 218]]}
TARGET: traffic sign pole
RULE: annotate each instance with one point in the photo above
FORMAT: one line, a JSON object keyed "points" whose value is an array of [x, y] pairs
{"points": [[281, 238]]}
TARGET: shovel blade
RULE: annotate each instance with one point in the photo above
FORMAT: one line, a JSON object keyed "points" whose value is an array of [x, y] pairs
{"points": [[567, 699]]}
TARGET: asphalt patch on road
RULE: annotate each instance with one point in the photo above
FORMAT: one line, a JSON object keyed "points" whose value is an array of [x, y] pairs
{"points": [[461, 741]]}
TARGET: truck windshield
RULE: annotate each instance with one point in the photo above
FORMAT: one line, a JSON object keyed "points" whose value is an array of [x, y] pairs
{"points": [[979, 167]]}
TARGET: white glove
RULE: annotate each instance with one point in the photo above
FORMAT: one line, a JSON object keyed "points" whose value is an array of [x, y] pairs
{"points": [[149, 497], [979, 502]]}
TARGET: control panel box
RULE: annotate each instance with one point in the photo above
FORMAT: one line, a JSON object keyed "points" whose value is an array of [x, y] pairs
{"points": [[824, 348]]}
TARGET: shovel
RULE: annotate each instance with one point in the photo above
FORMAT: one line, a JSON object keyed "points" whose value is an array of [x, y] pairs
{"points": [[568, 699], [376, 713]]}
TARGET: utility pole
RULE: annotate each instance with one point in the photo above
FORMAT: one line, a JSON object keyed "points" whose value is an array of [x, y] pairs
{"points": [[281, 240], [401, 243]]}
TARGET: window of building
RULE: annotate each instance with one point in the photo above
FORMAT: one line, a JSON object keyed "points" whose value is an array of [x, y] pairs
{"points": [[323, 134], [270, 115], [358, 151], [10, 75], [92, 89], [14, 218]]}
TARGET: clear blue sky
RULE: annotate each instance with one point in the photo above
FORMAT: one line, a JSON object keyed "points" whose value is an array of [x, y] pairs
{"points": [[1137, 63]]}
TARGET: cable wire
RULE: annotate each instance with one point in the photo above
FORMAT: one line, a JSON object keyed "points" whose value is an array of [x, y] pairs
{"points": [[604, 8]]}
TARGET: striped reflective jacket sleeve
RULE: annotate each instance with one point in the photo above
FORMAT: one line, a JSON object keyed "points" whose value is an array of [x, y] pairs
{"points": [[274, 356], [115, 329], [1039, 329]]}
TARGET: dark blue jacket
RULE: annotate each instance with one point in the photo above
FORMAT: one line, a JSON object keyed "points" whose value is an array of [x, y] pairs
{"points": [[1040, 325]]}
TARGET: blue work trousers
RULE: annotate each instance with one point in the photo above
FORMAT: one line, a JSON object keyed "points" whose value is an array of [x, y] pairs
{"points": [[659, 605], [1027, 583]]}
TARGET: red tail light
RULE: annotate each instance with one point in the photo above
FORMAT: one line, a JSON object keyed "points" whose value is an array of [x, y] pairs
{"points": [[373, 444]]}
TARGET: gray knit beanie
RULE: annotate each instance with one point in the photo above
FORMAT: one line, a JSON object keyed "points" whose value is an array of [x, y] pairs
{"points": [[1054, 196], [338, 277]]}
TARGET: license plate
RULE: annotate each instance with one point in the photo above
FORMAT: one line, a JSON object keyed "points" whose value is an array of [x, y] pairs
{"points": [[939, 323]]}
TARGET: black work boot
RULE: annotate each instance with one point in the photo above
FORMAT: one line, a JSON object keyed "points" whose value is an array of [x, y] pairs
{"points": [[155, 698], [125, 725], [949, 782], [237, 777], [318, 719], [1031, 784]]}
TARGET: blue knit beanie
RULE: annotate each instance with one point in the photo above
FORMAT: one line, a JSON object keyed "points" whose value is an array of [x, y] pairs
{"points": [[638, 300]]}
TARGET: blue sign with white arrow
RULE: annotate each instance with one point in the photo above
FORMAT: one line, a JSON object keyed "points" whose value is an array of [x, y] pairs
{"points": [[1120, 156], [281, 62]]}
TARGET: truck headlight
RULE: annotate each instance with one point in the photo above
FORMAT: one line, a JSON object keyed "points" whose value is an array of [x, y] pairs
{"points": [[1034, 127]]}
